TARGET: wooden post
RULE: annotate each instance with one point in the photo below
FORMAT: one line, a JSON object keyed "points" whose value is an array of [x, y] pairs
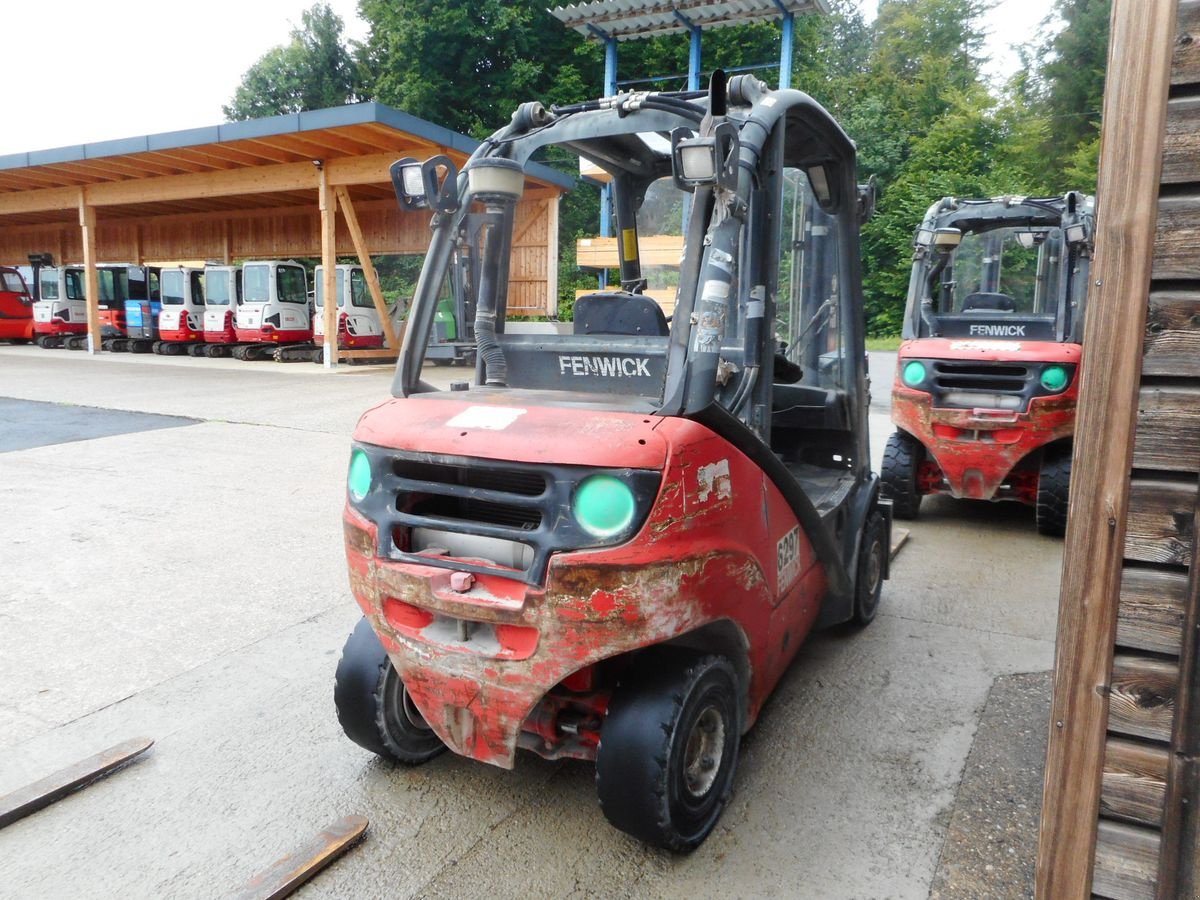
{"points": [[364, 259], [87, 225], [327, 200], [552, 256], [1135, 103], [227, 243]]}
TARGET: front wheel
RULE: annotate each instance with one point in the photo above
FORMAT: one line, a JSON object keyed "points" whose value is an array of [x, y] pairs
{"points": [[872, 563], [1054, 484], [898, 476], [373, 705], [668, 749]]}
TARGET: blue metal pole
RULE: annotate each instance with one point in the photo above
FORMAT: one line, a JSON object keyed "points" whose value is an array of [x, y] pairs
{"points": [[785, 51], [694, 61], [610, 90], [610, 67]]}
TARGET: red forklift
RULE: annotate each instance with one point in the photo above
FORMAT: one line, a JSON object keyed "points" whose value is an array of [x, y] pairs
{"points": [[987, 377], [609, 545]]}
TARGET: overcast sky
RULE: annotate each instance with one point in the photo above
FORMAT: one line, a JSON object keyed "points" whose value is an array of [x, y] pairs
{"points": [[80, 72]]}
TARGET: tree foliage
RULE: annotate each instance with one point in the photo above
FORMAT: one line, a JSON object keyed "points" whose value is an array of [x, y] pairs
{"points": [[908, 87], [312, 71]]}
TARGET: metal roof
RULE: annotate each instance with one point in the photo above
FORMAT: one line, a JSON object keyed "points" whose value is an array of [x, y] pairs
{"points": [[628, 20], [344, 132]]}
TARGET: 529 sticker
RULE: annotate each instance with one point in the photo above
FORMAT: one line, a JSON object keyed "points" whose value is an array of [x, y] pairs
{"points": [[787, 557]]}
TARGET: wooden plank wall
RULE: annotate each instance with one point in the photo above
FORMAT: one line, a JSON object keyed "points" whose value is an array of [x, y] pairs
{"points": [[1144, 844], [296, 232]]}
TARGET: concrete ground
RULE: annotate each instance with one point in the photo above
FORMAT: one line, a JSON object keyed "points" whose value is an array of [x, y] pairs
{"points": [[183, 579]]}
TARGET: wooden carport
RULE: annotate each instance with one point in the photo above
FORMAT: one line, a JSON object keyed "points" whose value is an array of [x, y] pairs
{"points": [[263, 188]]}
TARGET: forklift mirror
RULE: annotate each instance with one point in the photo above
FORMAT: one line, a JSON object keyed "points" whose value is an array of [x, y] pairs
{"points": [[946, 239], [439, 180], [868, 194], [708, 160]]}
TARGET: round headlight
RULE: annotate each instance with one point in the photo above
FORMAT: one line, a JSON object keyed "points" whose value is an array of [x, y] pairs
{"points": [[1054, 378], [603, 505], [358, 480], [913, 373]]}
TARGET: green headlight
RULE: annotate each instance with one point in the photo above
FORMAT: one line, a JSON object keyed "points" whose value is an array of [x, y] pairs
{"points": [[603, 505], [1054, 378], [914, 373], [358, 481]]}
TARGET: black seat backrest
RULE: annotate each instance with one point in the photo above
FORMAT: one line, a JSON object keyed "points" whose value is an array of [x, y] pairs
{"points": [[619, 313], [984, 301]]}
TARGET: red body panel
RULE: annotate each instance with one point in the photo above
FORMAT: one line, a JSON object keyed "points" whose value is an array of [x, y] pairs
{"points": [[976, 451], [686, 568], [226, 335], [16, 314], [58, 326], [272, 336], [181, 334]]}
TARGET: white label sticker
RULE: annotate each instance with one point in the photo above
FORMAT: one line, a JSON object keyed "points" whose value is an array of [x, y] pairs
{"points": [[985, 345], [490, 418], [787, 557]]}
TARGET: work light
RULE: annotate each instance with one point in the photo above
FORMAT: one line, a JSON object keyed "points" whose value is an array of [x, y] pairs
{"points": [[913, 373], [358, 479], [603, 506], [707, 160]]}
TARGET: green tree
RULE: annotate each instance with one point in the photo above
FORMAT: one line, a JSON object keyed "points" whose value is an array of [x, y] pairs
{"points": [[313, 70]]}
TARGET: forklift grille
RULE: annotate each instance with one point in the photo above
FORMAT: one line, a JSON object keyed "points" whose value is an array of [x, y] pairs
{"points": [[1002, 378], [511, 516]]}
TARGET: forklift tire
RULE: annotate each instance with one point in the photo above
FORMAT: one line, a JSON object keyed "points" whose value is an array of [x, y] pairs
{"points": [[668, 749], [1054, 483], [373, 705], [898, 475], [872, 563]]}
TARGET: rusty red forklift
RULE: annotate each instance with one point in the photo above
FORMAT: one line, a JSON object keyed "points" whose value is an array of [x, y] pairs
{"points": [[609, 545], [987, 376]]}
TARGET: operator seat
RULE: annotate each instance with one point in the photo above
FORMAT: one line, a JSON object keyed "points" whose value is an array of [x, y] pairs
{"points": [[619, 312], [983, 301]]}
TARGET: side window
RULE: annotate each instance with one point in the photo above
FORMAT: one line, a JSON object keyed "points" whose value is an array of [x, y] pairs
{"points": [[359, 295], [75, 289], [808, 299], [197, 281], [291, 284], [49, 281]]}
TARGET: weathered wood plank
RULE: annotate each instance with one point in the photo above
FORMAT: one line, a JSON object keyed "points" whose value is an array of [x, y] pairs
{"points": [[1172, 342], [1141, 699], [1168, 429], [1176, 237], [1135, 782], [1185, 66], [1159, 522], [1181, 142], [1177, 872], [1126, 862], [1151, 611], [1134, 120], [1181, 146]]}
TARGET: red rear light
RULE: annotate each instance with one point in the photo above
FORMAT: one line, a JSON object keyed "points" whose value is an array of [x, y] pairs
{"points": [[267, 326]]}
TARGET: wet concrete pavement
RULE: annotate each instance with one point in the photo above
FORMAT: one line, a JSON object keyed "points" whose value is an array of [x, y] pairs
{"points": [[187, 584]]}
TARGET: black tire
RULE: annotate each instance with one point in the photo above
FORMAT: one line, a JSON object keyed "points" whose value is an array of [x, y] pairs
{"points": [[666, 718], [898, 476], [1054, 484], [872, 563], [373, 705]]}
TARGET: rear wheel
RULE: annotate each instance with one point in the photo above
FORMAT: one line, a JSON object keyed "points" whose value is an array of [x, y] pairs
{"points": [[898, 477], [872, 563], [1054, 483], [668, 749], [373, 705]]}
